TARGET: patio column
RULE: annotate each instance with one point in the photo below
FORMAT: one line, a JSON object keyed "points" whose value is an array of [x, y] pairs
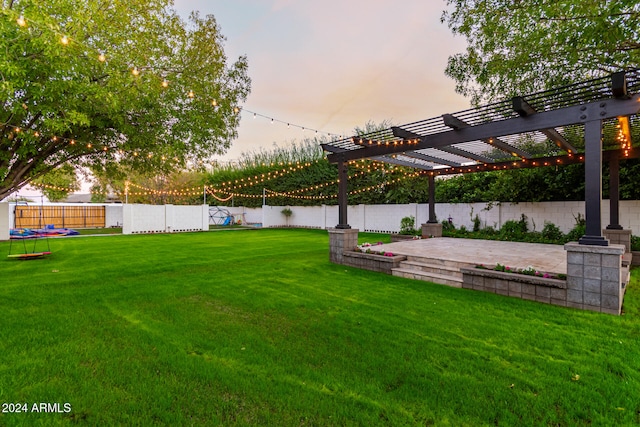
{"points": [[593, 184], [432, 200], [614, 232], [432, 228], [342, 238], [614, 193], [343, 197]]}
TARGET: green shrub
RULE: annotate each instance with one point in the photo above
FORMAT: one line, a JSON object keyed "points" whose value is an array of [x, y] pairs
{"points": [[407, 225], [448, 226], [511, 227], [476, 223], [635, 243], [576, 233], [552, 232]]}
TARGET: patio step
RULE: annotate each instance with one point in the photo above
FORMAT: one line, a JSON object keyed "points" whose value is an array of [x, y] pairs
{"points": [[440, 271], [441, 279]]}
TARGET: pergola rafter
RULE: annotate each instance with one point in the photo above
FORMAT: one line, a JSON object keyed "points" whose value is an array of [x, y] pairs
{"points": [[514, 127]]}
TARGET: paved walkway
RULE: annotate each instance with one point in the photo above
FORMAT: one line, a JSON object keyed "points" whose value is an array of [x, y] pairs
{"points": [[543, 257]]}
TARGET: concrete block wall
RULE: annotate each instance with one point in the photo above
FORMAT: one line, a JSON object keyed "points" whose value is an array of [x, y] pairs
{"points": [[143, 219], [186, 218], [548, 291], [113, 216], [386, 218], [379, 263], [5, 220], [594, 277], [164, 218], [341, 240]]}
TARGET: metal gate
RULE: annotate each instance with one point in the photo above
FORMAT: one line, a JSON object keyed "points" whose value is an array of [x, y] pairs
{"points": [[59, 216]]}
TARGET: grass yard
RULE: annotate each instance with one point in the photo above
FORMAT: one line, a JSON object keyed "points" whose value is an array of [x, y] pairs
{"points": [[256, 327]]}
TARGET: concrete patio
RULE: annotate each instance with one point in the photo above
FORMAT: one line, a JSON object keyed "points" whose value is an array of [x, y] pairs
{"points": [[543, 257]]}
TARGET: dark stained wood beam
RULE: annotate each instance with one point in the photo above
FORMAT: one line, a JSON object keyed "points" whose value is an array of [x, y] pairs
{"points": [[400, 162], [524, 109], [455, 123], [431, 159], [405, 134], [576, 114]]}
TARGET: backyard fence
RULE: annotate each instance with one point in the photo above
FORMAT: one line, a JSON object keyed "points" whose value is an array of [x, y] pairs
{"points": [[59, 216]]}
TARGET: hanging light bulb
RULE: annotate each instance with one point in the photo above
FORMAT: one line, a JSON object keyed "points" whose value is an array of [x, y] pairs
{"points": [[135, 71], [214, 103], [236, 110], [191, 94], [64, 40], [21, 21], [165, 83], [101, 57]]}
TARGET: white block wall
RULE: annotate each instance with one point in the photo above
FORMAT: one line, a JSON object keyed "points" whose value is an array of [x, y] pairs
{"points": [[113, 216], [164, 218], [386, 218], [5, 220]]}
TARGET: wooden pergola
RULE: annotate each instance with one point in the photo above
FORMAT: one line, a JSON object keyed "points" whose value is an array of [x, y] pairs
{"points": [[588, 122]]}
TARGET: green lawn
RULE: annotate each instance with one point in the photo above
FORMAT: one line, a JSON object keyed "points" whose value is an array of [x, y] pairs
{"points": [[256, 327]]}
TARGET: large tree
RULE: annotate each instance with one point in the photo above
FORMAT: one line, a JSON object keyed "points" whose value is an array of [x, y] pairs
{"points": [[92, 82], [517, 46]]}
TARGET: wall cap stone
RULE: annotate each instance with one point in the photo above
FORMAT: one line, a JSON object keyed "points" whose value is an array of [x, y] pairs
{"points": [[593, 249], [515, 277]]}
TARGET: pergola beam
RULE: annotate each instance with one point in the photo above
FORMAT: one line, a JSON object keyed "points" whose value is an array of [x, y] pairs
{"points": [[431, 159], [576, 114], [399, 162], [405, 134], [455, 123], [524, 109]]}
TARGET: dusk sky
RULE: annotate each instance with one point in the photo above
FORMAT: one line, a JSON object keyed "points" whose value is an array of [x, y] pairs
{"points": [[334, 65]]}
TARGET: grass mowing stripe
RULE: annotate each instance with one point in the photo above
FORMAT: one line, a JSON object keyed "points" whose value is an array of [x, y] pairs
{"points": [[256, 327]]}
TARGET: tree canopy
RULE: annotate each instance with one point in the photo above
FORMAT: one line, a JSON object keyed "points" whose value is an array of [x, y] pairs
{"points": [[94, 82], [517, 47]]}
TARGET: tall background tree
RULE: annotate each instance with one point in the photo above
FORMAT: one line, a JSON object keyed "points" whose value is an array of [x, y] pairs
{"points": [[517, 47], [90, 83]]}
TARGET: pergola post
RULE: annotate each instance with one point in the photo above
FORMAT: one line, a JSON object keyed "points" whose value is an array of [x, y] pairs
{"points": [[432, 200], [342, 238], [593, 184], [432, 228], [614, 232], [614, 193], [343, 197]]}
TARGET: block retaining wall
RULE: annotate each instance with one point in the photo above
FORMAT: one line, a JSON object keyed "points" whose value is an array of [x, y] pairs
{"points": [[548, 291], [373, 262]]}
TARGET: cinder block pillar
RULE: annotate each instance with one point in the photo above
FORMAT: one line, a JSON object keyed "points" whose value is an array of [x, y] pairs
{"points": [[618, 237], [341, 239], [594, 277], [431, 230]]}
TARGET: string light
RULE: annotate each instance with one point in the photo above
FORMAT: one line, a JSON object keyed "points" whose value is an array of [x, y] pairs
{"points": [[21, 21], [102, 57], [135, 71], [64, 40], [290, 125]]}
